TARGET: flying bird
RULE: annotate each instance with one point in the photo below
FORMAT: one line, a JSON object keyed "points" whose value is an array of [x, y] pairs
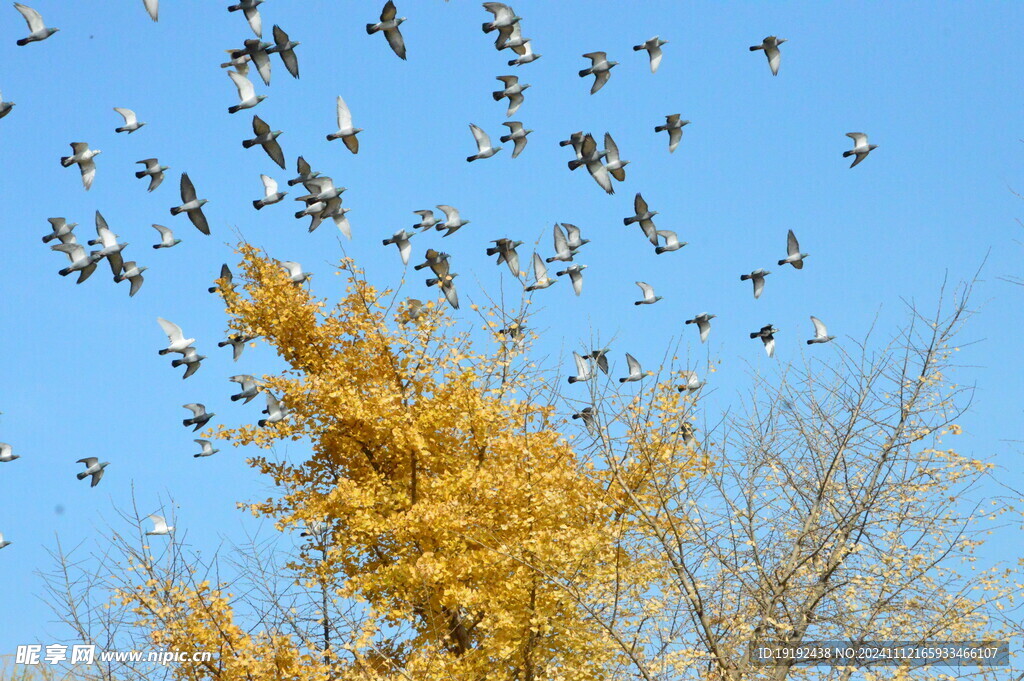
{"points": [[94, 468], [256, 51], [389, 24], [644, 216], [200, 417], [589, 417], [591, 158], [648, 291], [483, 145], [575, 273], [820, 332], [295, 272], [37, 29], [175, 338], [436, 261], [563, 251], [504, 17], [305, 172], [703, 322], [770, 45], [270, 193], [274, 411], [192, 206], [692, 382], [540, 275], [653, 47], [513, 90], [672, 242], [401, 240], [767, 336], [453, 221], [674, 126], [111, 249], [584, 370], [208, 449], [636, 372], [510, 36], [248, 385], [526, 54], [427, 220], [191, 360], [81, 262], [84, 157], [601, 358], [447, 285], [505, 249], [285, 48], [757, 277], [266, 138], [346, 132], [615, 165], [153, 7], [576, 141], [861, 148], [572, 235], [250, 9], [160, 526], [7, 453], [131, 121], [5, 107], [61, 229], [153, 170], [167, 239], [794, 257], [223, 280], [600, 68], [237, 344], [132, 273], [411, 311], [247, 97], [517, 134]]}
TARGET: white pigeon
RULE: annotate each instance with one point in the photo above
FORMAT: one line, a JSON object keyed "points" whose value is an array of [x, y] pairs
{"points": [[703, 322], [270, 193], [153, 7], [167, 239], [483, 144], [401, 240], [94, 468], [208, 449], [37, 29], [861, 148], [154, 170], [247, 97], [248, 385], [674, 126], [160, 526], [794, 257], [192, 206], [250, 9], [672, 242], [84, 157], [517, 134], [453, 221], [295, 272], [346, 132], [757, 277], [81, 262], [599, 67], [575, 273], [131, 121], [540, 275], [274, 411], [584, 370], [636, 372], [770, 45], [653, 47], [513, 90], [648, 291], [820, 332], [692, 381], [176, 341], [7, 453]]}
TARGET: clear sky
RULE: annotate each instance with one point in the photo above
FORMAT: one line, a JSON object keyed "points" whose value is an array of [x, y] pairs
{"points": [[935, 85]]}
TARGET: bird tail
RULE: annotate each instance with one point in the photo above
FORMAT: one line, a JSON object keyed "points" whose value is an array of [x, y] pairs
{"points": [[782, 262], [121, 130], [755, 48], [505, 138], [637, 48], [688, 321], [744, 277], [513, 62], [333, 136], [573, 165], [235, 398], [261, 423], [65, 272], [810, 342], [64, 160], [247, 143], [371, 29], [585, 72], [257, 204], [387, 242], [488, 27], [754, 335], [81, 476], [470, 159], [572, 379], [300, 214], [659, 250], [660, 128], [565, 143], [187, 422], [628, 221], [432, 282], [847, 154], [493, 250], [234, 109], [638, 302], [22, 43], [175, 210], [622, 380], [497, 94], [140, 174]]}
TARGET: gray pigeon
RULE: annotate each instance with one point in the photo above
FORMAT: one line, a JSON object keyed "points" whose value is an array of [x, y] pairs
{"points": [[131, 122], [60, 229], [37, 29], [526, 54], [591, 159], [252, 14], [167, 239], [517, 134], [674, 126], [767, 336], [132, 273], [85, 158], [589, 417], [703, 322], [793, 255], [237, 344], [208, 449], [757, 277], [505, 249], [389, 23], [820, 332], [584, 370], [305, 172], [247, 97], [249, 388], [295, 272], [540, 275], [5, 107], [94, 468], [285, 48], [225, 276], [572, 235], [200, 417], [274, 411], [270, 193], [861, 148], [672, 242], [267, 139], [346, 132], [636, 372], [111, 249], [576, 141], [412, 310], [81, 262], [648, 291], [575, 273], [600, 68], [615, 166], [563, 252], [770, 45], [644, 216], [192, 206], [401, 240], [447, 285], [653, 47], [692, 382], [256, 51], [7, 454], [153, 170], [427, 220], [504, 16], [513, 90], [436, 261], [191, 360], [453, 221]]}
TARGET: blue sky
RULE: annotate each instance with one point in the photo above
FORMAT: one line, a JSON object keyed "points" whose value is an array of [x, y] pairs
{"points": [[935, 85]]}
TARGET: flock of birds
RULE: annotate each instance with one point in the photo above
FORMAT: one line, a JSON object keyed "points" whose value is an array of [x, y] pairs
{"points": [[323, 201]]}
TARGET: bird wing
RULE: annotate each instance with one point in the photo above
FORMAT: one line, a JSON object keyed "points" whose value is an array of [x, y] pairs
{"points": [[769, 345], [600, 78], [450, 294], [820, 331], [173, 331], [32, 17], [647, 289], [405, 249], [88, 168], [758, 285], [655, 53], [79, 147], [198, 219], [188, 191], [573, 231], [596, 57], [509, 81], [483, 142], [165, 234], [273, 406], [389, 12], [252, 15], [513, 126], [520, 144], [259, 126], [859, 139], [540, 271], [582, 367], [611, 148], [344, 115], [396, 41], [774, 59], [269, 185], [152, 6], [600, 174], [561, 244], [89, 461], [303, 166], [196, 408], [577, 280], [127, 114], [159, 524], [634, 366], [704, 326], [639, 205], [74, 250], [670, 237], [101, 225], [245, 87], [792, 245], [274, 151], [450, 212], [500, 10]]}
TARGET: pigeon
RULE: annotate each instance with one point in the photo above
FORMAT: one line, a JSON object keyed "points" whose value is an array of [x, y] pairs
{"points": [[589, 419], [589, 154], [483, 145], [94, 468], [427, 220], [591, 158], [5, 107], [505, 249], [672, 242], [516, 334], [237, 344], [153, 170], [225, 276], [256, 51], [285, 48], [81, 262], [510, 37], [563, 252], [389, 23], [615, 166], [692, 382], [84, 157], [249, 389], [305, 172], [649, 297], [160, 526], [191, 360], [861, 148], [703, 322], [131, 122], [794, 257], [770, 45], [239, 63], [176, 339], [576, 140], [295, 273], [191, 205], [167, 239], [653, 47], [267, 139], [208, 449], [315, 209], [575, 273], [601, 358], [200, 417], [61, 229], [686, 431], [447, 286], [526, 54], [346, 132], [321, 189], [517, 135], [504, 17], [252, 14], [645, 217], [674, 126], [600, 68], [132, 273], [513, 90], [3, 542], [636, 372], [7, 454], [247, 97], [757, 276], [37, 29], [767, 336], [111, 249], [152, 6], [453, 221], [270, 193], [820, 332], [315, 528], [401, 240], [540, 275], [584, 371], [436, 261], [572, 233], [274, 411], [412, 311]]}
